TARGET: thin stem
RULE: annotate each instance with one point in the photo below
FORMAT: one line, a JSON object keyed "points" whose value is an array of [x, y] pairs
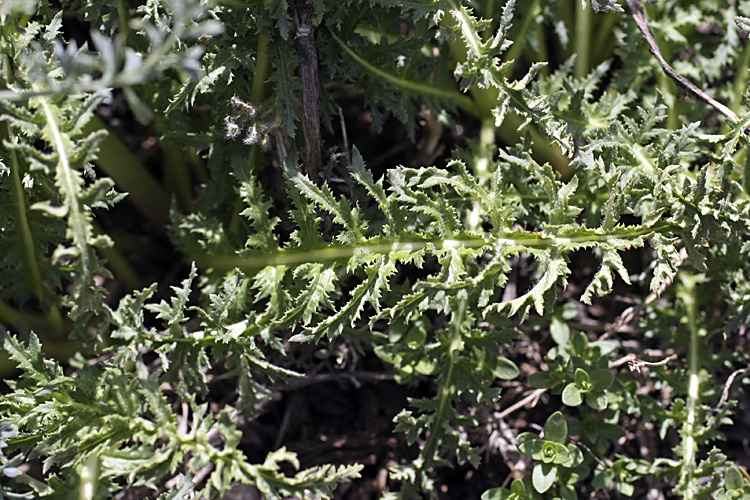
{"points": [[29, 247], [257, 95], [521, 36], [604, 41], [547, 153], [447, 386], [489, 13], [22, 225], [688, 294], [258, 89], [541, 50], [414, 87], [118, 264], [668, 90], [12, 317], [740, 83]]}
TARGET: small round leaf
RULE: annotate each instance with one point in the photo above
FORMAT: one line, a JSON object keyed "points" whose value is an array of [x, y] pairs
{"points": [[505, 369], [597, 401], [556, 428], [601, 379], [543, 477], [571, 395]]}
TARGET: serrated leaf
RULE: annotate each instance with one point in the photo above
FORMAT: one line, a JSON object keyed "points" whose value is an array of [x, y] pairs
{"points": [[743, 23]]}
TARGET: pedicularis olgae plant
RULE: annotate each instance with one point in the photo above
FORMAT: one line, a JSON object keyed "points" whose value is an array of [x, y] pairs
{"points": [[500, 206]]}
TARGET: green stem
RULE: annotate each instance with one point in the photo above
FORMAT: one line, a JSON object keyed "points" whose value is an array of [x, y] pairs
{"points": [[486, 99], [489, 13], [604, 42], [257, 96], [521, 36], [131, 176], [89, 478], [582, 40], [481, 167], [567, 16], [688, 294], [541, 51], [30, 254], [258, 89], [541, 149], [199, 168], [740, 83], [22, 224], [21, 320], [668, 90], [486, 143], [119, 265], [177, 173], [123, 20], [414, 87], [447, 386], [506, 239]]}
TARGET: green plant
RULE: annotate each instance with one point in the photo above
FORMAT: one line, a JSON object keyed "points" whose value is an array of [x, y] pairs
{"points": [[576, 149], [554, 457]]}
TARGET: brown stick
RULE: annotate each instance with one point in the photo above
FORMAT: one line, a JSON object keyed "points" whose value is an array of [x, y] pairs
{"points": [[636, 9], [308, 73], [728, 385]]}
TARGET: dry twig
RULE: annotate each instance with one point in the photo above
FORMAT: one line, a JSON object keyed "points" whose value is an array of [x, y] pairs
{"points": [[636, 364], [639, 15], [308, 72], [728, 385]]}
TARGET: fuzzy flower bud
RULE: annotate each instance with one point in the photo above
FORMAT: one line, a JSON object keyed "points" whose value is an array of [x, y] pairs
{"points": [[231, 127], [253, 135]]}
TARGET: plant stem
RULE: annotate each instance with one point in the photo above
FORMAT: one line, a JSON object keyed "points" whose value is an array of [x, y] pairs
{"points": [[740, 83], [582, 40], [668, 90], [447, 386], [688, 294], [257, 95], [119, 265], [604, 42], [340, 252], [489, 13], [521, 36], [13, 318], [144, 191], [177, 173], [486, 99], [481, 166], [417, 88], [89, 477], [22, 223]]}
